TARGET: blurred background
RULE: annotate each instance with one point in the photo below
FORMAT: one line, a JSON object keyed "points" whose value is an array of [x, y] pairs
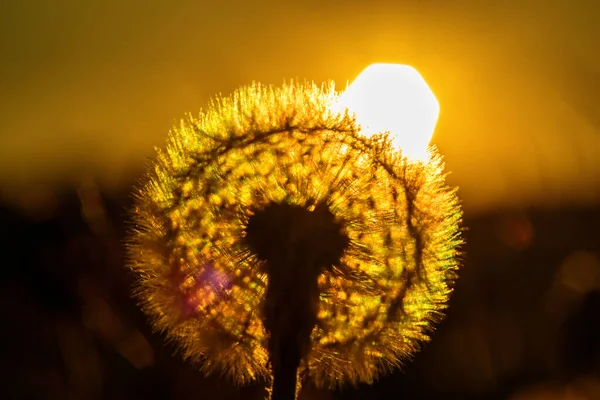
{"points": [[89, 88]]}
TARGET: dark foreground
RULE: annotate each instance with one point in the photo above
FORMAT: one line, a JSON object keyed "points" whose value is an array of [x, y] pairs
{"points": [[524, 320]]}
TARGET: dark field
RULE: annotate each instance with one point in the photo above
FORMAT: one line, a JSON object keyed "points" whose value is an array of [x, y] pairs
{"points": [[524, 318]]}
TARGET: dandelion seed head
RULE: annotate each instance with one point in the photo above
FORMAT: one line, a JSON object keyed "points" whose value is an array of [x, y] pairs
{"points": [[204, 284]]}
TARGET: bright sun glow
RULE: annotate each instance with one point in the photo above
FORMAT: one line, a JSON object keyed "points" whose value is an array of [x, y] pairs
{"points": [[394, 98]]}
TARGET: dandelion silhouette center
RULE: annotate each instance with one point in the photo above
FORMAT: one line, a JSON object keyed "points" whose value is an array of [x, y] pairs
{"points": [[281, 230], [269, 172]]}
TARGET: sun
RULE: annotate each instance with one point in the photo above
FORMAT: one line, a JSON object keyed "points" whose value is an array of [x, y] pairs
{"points": [[394, 98]]}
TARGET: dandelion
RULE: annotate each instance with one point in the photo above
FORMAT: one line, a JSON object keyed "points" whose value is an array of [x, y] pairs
{"points": [[273, 241]]}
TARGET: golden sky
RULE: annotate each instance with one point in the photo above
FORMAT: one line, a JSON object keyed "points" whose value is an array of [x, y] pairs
{"points": [[90, 87]]}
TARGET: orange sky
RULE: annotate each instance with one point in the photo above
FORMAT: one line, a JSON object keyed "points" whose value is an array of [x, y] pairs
{"points": [[90, 87]]}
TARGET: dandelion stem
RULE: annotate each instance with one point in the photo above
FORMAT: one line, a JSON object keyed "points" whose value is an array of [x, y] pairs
{"points": [[297, 245]]}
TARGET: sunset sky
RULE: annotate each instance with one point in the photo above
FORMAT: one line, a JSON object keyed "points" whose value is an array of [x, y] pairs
{"points": [[88, 88]]}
